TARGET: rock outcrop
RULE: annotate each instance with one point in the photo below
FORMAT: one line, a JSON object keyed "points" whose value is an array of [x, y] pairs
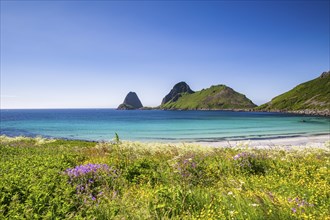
{"points": [[131, 102], [325, 74], [178, 90]]}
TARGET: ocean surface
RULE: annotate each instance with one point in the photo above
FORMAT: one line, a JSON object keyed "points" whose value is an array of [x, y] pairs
{"points": [[158, 125]]}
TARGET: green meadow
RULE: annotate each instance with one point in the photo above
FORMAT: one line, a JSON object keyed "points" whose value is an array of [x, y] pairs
{"points": [[68, 179]]}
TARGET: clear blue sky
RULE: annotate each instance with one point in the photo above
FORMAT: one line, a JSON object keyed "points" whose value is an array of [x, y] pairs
{"points": [[73, 54]]}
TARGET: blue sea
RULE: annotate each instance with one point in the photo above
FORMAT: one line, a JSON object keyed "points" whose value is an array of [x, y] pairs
{"points": [[158, 125]]}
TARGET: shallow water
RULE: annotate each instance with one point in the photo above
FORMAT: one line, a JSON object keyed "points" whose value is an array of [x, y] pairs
{"points": [[157, 125]]}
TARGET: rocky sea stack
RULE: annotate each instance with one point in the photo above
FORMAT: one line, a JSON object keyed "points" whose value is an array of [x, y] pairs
{"points": [[178, 90], [131, 102]]}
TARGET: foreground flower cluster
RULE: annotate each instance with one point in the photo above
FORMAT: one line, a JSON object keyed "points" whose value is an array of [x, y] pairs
{"points": [[91, 180], [64, 179], [82, 170]]}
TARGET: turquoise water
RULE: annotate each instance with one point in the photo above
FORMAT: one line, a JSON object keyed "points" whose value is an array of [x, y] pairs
{"points": [[157, 125]]}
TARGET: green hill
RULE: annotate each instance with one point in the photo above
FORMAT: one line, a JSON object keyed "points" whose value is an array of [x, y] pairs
{"points": [[312, 96], [215, 97]]}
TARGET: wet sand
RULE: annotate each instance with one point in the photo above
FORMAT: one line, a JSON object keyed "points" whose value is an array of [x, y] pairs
{"points": [[319, 141]]}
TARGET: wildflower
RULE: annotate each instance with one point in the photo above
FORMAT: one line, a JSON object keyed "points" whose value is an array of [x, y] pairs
{"points": [[187, 167], [89, 181], [85, 169], [250, 162], [294, 210]]}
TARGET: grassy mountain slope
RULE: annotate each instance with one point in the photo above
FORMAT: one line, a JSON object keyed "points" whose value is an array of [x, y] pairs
{"points": [[312, 95], [215, 97]]}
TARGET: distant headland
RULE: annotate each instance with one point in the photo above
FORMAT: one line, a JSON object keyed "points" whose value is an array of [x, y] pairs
{"points": [[311, 97]]}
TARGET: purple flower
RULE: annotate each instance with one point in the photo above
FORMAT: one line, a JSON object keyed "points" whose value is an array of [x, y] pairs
{"points": [[243, 155], [187, 166], [89, 180], [85, 169], [299, 203]]}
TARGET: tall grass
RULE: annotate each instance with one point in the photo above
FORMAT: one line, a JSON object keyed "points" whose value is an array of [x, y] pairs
{"points": [[49, 179]]}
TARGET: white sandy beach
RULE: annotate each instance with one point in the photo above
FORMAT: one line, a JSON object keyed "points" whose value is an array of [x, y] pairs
{"points": [[319, 141], [290, 143]]}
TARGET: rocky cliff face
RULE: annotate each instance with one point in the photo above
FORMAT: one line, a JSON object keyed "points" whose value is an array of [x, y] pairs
{"points": [[325, 74], [178, 90], [131, 101]]}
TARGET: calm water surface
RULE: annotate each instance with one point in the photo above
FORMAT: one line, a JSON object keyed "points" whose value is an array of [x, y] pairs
{"points": [[157, 125]]}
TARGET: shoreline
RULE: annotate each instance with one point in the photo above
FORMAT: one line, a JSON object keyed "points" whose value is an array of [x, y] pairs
{"points": [[306, 112], [318, 141], [309, 141]]}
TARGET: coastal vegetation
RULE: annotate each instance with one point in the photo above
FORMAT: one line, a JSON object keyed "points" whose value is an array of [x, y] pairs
{"points": [[70, 179]]}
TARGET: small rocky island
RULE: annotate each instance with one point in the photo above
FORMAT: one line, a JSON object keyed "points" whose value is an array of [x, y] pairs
{"points": [[131, 102]]}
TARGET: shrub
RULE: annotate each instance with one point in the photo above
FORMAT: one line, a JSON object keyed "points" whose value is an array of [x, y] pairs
{"points": [[142, 171], [190, 169], [251, 163]]}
